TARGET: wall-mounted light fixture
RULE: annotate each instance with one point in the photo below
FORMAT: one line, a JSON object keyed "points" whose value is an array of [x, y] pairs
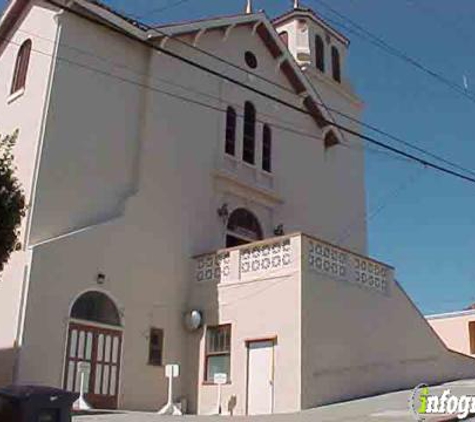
{"points": [[223, 212], [279, 230], [100, 278]]}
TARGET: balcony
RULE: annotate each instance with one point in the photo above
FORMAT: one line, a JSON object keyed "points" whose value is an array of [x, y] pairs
{"points": [[281, 256]]}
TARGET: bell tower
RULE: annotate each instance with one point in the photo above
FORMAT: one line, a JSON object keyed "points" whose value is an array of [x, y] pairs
{"points": [[313, 43]]}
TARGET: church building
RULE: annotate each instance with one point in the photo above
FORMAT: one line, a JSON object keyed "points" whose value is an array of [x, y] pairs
{"points": [[193, 199]]}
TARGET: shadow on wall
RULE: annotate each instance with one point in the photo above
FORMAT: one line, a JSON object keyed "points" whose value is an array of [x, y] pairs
{"points": [[7, 365]]}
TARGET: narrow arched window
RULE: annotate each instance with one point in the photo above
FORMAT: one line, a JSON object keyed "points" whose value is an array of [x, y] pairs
{"points": [[284, 36], [96, 307], [230, 146], [319, 53], [249, 138], [266, 148], [21, 67], [336, 67]]}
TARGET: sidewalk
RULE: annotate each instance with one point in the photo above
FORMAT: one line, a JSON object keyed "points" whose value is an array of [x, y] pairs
{"points": [[386, 407]]}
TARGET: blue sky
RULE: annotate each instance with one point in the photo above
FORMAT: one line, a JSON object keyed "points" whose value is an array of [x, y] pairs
{"points": [[427, 229]]}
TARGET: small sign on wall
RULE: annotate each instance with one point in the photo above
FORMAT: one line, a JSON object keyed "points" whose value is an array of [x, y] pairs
{"points": [[220, 379]]}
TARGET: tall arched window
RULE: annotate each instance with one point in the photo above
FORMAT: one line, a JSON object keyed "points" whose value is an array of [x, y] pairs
{"points": [[249, 138], [96, 307], [319, 53], [243, 227], [21, 67], [336, 67], [284, 36], [267, 148], [230, 147]]}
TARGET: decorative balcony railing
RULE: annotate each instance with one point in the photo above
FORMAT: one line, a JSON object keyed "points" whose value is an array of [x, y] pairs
{"points": [[278, 256], [346, 266]]}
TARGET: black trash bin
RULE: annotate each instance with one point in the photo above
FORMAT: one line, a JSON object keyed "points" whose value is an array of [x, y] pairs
{"points": [[35, 404]]}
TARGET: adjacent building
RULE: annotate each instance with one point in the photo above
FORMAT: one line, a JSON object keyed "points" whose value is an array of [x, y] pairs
{"points": [[195, 167], [456, 329]]}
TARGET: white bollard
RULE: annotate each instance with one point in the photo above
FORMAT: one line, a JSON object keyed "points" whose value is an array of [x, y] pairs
{"points": [[81, 403], [171, 371]]}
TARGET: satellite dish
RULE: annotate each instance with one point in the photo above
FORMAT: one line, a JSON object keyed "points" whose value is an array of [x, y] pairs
{"points": [[193, 320]]}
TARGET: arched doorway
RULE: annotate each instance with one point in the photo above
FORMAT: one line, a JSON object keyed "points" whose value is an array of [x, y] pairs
{"points": [[243, 227], [94, 347]]}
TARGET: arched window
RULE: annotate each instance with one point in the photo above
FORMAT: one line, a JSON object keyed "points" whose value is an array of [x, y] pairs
{"points": [[21, 67], [96, 307], [319, 53], [267, 148], [284, 36], [249, 139], [230, 147], [336, 68], [243, 227]]}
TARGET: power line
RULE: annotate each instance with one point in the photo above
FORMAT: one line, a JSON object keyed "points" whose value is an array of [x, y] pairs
{"points": [[329, 109], [382, 44], [440, 19], [266, 95], [365, 218]]}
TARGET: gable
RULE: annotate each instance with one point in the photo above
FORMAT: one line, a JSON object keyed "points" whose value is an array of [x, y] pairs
{"points": [[256, 24]]}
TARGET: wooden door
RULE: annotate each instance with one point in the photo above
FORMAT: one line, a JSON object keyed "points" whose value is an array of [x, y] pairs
{"points": [[99, 350]]}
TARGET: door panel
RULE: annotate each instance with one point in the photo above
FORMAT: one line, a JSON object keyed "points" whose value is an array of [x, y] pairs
{"points": [[99, 349], [260, 393]]}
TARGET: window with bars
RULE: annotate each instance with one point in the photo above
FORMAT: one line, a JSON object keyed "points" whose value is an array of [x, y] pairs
{"points": [[21, 67], [230, 146], [249, 140], [218, 351], [267, 148], [155, 349]]}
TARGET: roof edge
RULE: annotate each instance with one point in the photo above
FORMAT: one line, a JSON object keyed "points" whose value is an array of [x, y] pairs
{"points": [[309, 13]]}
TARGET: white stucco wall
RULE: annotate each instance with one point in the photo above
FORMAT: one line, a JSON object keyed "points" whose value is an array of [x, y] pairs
{"points": [[23, 111], [258, 307], [357, 342], [151, 168]]}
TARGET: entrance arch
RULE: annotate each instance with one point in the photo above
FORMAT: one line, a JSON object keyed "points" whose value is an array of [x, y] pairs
{"points": [[243, 227], [94, 347]]}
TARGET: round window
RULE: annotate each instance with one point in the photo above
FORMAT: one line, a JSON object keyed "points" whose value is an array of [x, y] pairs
{"points": [[251, 59]]}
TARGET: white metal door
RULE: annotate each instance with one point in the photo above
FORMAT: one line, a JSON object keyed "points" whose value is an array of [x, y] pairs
{"points": [[260, 387]]}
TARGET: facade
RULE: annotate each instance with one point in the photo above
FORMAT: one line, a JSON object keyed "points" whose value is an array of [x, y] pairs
{"points": [[456, 329], [158, 186]]}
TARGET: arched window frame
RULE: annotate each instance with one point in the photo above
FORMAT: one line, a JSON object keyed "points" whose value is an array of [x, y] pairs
{"points": [[249, 134], [230, 142], [267, 148], [21, 67], [336, 64], [319, 53], [241, 237], [81, 306], [284, 36]]}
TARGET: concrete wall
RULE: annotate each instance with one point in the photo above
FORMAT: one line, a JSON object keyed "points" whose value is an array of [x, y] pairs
{"points": [[258, 307], [24, 111], [454, 330], [357, 342]]}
